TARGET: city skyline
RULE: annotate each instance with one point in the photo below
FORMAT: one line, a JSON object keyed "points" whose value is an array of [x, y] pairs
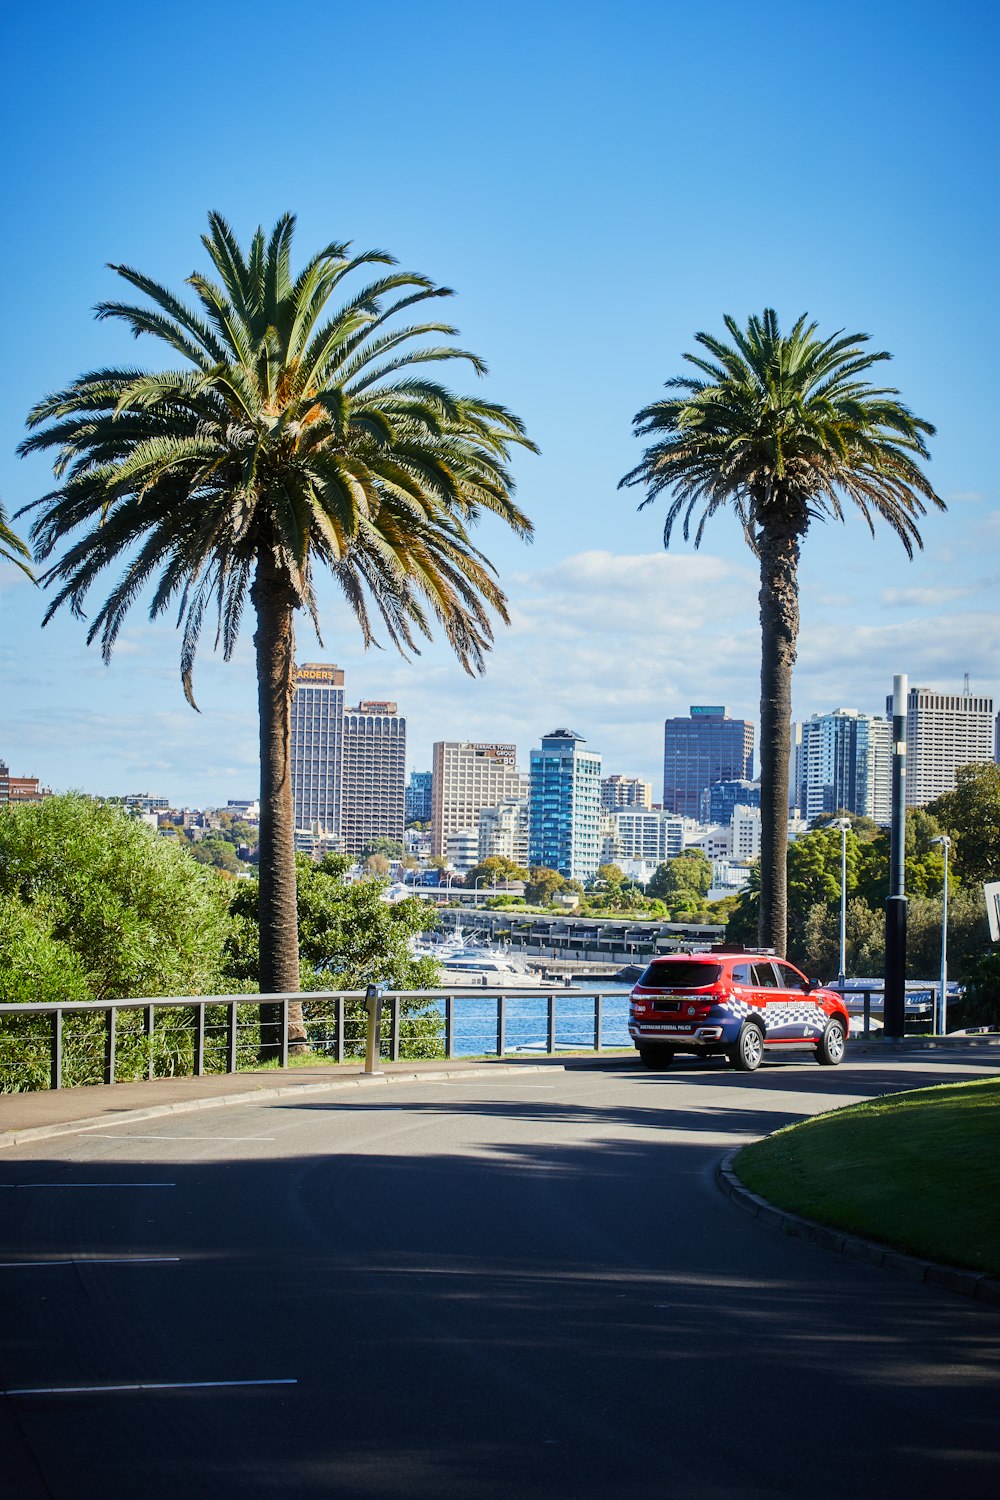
{"points": [[608, 633]]}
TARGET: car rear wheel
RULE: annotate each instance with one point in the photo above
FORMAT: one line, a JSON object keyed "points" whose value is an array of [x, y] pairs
{"points": [[655, 1055], [832, 1044], [749, 1049]]}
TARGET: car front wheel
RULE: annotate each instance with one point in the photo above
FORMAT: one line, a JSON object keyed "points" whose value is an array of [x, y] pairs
{"points": [[654, 1055], [832, 1045], [749, 1049]]}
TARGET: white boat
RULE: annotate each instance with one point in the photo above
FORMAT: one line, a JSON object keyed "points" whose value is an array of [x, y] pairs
{"points": [[465, 962]]}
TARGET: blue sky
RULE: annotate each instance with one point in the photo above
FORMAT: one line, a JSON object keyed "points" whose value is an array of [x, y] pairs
{"points": [[597, 183]]}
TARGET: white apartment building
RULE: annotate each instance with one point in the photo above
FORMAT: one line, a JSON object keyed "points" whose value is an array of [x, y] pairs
{"points": [[626, 791], [467, 777], [944, 731], [845, 761], [462, 849], [633, 833], [745, 833], [503, 831]]}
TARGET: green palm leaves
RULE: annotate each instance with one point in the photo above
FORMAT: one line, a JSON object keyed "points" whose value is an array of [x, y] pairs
{"points": [[784, 428], [294, 430], [12, 549]]}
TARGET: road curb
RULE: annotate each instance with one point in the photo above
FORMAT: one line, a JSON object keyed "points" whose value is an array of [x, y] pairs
{"points": [[968, 1283], [292, 1091]]}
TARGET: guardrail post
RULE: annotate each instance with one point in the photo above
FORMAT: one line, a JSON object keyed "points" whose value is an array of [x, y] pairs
{"points": [[501, 1024], [867, 1001], [550, 1028], [373, 1046], [598, 1021], [110, 1037], [147, 1031], [394, 1028], [338, 1021], [56, 1060], [231, 1024], [199, 1039], [283, 1012], [449, 1026]]}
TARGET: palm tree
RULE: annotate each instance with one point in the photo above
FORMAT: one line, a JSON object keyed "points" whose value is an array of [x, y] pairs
{"points": [[12, 549], [782, 429], [292, 436]]}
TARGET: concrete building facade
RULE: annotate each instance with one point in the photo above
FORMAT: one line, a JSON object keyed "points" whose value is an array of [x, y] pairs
{"points": [[373, 778], [317, 751], [845, 761], [944, 731], [467, 777]]}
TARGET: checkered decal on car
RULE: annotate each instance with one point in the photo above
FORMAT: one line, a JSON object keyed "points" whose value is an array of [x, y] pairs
{"points": [[779, 1015]]}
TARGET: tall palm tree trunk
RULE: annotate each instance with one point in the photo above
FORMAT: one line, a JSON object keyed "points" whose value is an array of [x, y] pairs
{"points": [[778, 546], [274, 601]]}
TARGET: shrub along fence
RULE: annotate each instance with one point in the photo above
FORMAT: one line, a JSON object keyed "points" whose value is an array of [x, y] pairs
{"points": [[51, 1046]]}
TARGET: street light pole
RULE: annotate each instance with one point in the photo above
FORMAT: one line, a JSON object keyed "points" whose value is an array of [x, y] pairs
{"points": [[945, 843], [844, 825], [894, 1011]]}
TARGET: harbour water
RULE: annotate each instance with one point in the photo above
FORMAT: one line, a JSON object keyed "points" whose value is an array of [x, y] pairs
{"points": [[526, 1021]]}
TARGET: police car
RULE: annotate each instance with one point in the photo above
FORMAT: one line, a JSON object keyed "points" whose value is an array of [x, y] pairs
{"points": [[733, 1003]]}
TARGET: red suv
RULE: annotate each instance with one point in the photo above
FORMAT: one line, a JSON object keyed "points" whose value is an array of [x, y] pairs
{"points": [[733, 1004]]}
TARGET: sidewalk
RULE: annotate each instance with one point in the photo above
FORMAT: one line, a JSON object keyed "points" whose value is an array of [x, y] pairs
{"points": [[48, 1112]]}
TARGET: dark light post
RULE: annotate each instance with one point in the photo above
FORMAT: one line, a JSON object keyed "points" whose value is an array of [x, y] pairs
{"points": [[945, 843], [894, 1013], [844, 826]]}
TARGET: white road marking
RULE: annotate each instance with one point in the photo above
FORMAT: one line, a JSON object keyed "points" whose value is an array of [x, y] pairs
{"points": [[173, 1385], [87, 1184], [93, 1260], [177, 1138]]}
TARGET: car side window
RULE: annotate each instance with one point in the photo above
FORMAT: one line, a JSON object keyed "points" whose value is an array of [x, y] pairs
{"points": [[790, 978], [741, 973], [764, 977]]}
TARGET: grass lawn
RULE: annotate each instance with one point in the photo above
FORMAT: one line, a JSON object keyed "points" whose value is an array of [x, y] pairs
{"points": [[917, 1171]]}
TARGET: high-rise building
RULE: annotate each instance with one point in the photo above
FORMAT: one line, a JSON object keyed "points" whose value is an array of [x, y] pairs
{"points": [[418, 797], [625, 791], [503, 831], [944, 731], [373, 776], [467, 777], [565, 806], [697, 751], [317, 749], [718, 800], [845, 762]]}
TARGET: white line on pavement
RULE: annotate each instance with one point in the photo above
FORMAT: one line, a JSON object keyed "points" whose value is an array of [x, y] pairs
{"points": [[92, 1260], [173, 1385]]}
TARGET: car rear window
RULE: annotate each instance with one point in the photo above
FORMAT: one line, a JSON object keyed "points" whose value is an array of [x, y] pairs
{"points": [[680, 974]]}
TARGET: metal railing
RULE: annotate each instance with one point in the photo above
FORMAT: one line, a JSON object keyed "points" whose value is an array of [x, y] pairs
{"points": [[195, 1035]]}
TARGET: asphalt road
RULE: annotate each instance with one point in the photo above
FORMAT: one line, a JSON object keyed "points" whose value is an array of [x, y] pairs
{"points": [[516, 1287]]}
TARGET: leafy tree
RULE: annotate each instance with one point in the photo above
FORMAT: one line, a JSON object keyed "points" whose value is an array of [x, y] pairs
{"points": [[349, 937], [390, 849], [217, 851], [683, 881], [971, 814], [783, 429], [377, 864], [495, 868], [542, 885], [290, 438], [106, 904], [12, 549]]}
